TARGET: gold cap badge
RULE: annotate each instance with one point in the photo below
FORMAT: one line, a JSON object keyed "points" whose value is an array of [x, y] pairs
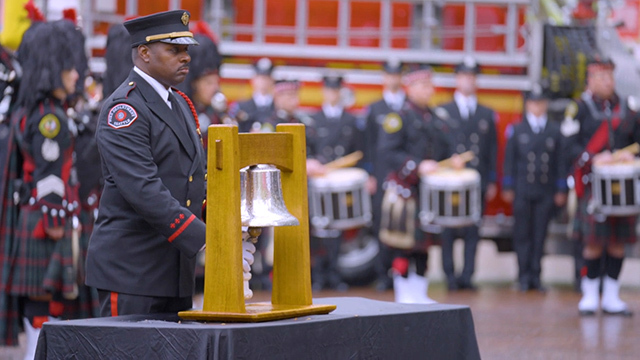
{"points": [[185, 18]]}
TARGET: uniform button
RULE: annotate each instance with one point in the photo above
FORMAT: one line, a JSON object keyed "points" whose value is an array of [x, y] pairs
{"points": [[190, 178], [544, 168], [205, 177], [531, 167], [544, 157], [131, 83], [204, 202], [474, 138], [460, 148], [544, 179], [188, 202], [531, 156], [530, 178]]}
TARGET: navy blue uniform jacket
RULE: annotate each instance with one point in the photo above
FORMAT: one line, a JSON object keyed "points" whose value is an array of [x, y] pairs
{"points": [[148, 229]]}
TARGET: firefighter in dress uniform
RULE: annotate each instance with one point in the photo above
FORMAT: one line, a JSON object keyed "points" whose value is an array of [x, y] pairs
{"points": [[410, 145], [598, 124], [142, 252], [535, 179], [393, 99], [473, 128], [336, 135], [252, 113]]}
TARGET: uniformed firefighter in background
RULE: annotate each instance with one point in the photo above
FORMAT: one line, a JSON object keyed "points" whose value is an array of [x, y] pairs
{"points": [[252, 113], [410, 144], [600, 123], [335, 135], [473, 128], [393, 99], [534, 181]]}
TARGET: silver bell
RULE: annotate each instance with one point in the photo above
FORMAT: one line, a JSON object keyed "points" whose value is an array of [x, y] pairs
{"points": [[261, 201]]}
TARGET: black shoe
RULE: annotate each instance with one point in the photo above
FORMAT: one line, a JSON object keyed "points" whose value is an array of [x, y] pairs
{"points": [[384, 283], [586, 312], [464, 283], [625, 313], [536, 285], [523, 287], [452, 283]]}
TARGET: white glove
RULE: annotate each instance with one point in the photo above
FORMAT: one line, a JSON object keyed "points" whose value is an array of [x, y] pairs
{"points": [[247, 260]]}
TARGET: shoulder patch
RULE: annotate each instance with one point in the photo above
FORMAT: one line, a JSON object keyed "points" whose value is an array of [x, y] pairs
{"points": [[392, 123], [121, 116], [442, 113], [571, 111], [49, 126]]}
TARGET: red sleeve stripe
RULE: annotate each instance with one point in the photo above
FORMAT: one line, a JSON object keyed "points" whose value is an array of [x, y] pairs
{"points": [[114, 303], [182, 228]]}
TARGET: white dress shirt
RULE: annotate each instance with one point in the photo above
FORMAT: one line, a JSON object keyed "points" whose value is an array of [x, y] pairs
{"points": [[155, 84], [537, 123], [466, 104], [394, 100], [262, 100], [332, 112]]}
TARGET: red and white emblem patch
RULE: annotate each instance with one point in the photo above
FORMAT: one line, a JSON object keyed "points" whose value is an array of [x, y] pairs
{"points": [[121, 116]]}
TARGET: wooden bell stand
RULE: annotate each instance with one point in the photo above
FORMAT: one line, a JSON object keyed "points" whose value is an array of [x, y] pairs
{"points": [[223, 288]]}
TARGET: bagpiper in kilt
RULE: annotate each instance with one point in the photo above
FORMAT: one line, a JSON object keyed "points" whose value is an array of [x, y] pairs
{"points": [[600, 123], [43, 252]]}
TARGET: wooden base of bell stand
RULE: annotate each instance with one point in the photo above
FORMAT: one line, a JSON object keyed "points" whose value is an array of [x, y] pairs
{"points": [[258, 312]]}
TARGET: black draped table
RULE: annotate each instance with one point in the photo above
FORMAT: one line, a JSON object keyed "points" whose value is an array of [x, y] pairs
{"points": [[358, 329]]}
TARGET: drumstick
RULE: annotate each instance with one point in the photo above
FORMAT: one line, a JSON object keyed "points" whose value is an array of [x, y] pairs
{"points": [[465, 156], [345, 161], [633, 149]]}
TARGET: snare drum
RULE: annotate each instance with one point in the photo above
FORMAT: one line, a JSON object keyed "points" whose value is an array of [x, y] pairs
{"points": [[450, 198], [615, 188], [339, 200]]}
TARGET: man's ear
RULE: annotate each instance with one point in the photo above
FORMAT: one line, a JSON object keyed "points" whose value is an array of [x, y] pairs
{"points": [[144, 53]]}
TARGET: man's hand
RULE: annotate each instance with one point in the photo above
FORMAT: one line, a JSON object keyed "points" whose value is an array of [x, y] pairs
{"points": [[508, 196], [457, 162], [492, 191], [623, 156], [315, 168], [372, 185], [560, 199], [427, 166], [55, 233], [604, 157], [248, 249]]}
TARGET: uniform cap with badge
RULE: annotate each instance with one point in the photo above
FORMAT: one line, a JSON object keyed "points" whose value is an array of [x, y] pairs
{"points": [[332, 81], [536, 93], [599, 62], [469, 65], [393, 66], [171, 27], [264, 66]]}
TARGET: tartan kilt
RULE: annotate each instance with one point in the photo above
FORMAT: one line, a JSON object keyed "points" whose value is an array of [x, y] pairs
{"points": [[612, 230], [31, 253]]}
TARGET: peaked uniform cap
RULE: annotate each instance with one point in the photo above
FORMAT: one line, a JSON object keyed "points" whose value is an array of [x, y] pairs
{"points": [[170, 27]]}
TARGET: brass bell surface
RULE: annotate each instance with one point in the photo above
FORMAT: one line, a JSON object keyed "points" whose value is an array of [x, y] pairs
{"points": [[262, 204]]}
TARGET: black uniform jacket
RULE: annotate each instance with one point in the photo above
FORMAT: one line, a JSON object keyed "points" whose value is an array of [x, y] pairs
{"points": [[334, 138], [148, 229], [415, 135], [535, 165], [477, 134]]}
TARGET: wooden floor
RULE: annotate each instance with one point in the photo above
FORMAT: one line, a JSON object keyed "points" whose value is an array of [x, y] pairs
{"points": [[512, 325]]}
